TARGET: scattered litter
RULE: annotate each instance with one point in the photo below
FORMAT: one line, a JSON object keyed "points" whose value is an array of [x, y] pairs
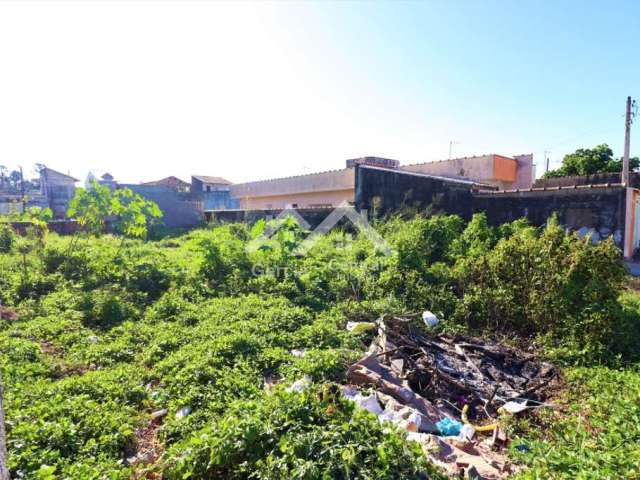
{"points": [[499, 438], [466, 433], [300, 384], [448, 392], [359, 327], [522, 448], [448, 427], [183, 412], [515, 407], [270, 381], [430, 319], [298, 353], [159, 414], [369, 403]]}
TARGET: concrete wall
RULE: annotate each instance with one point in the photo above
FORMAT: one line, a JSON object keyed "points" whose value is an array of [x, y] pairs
{"points": [[526, 171], [595, 179], [327, 198], [178, 208], [381, 191], [61, 227], [314, 216], [599, 211], [324, 188], [476, 168]]}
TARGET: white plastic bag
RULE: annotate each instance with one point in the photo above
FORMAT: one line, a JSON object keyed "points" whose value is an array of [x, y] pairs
{"points": [[430, 319]]}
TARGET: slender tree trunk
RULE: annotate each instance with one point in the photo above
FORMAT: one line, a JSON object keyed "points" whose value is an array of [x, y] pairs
{"points": [[119, 248], [4, 470], [24, 265]]}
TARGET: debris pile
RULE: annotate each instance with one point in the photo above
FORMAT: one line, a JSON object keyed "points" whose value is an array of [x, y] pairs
{"points": [[450, 392]]}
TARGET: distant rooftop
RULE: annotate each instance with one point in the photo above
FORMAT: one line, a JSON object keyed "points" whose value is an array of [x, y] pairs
{"points": [[47, 170], [170, 181], [212, 180]]}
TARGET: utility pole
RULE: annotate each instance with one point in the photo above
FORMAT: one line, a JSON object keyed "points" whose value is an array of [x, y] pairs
{"points": [[628, 120], [546, 161]]}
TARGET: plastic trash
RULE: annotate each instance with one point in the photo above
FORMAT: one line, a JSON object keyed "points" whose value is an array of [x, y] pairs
{"points": [[370, 403], [183, 412], [158, 414], [298, 353], [350, 392], [467, 433], [414, 422], [449, 428], [359, 327], [430, 319], [300, 384], [515, 407]]}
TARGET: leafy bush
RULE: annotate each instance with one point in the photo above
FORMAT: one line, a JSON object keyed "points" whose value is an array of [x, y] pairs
{"points": [[7, 238]]}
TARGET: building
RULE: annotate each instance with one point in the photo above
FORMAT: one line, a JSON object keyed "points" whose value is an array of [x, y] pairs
{"points": [[331, 188], [498, 170], [324, 189], [170, 182], [108, 181], [58, 189], [214, 193]]}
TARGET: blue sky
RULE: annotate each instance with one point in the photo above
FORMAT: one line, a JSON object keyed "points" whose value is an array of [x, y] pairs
{"points": [[257, 90]]}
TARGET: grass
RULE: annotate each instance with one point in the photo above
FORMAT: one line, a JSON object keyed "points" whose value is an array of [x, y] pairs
{"points": [[594, 434]]}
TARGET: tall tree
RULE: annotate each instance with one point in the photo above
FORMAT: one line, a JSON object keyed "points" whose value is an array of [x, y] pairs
{"points": [[3, 174], [587, 161]]}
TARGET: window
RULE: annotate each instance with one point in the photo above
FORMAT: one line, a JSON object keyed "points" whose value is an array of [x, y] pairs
{"points": [[208, 188]]}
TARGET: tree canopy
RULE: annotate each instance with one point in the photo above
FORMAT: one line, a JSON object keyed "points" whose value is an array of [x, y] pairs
{"points": [[587, 161], [133, 214]]}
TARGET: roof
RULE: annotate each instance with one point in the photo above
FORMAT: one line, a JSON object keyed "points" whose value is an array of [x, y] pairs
{"points": [[214, 180], [169, 181], [55, 172], [107, 176], [472, 157], [342, 179]]}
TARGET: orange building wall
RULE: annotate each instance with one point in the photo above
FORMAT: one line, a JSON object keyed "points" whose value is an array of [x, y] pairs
{"points": [[504, 169]]}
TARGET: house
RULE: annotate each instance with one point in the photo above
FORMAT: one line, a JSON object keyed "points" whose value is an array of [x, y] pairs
{"points": [[171, 182], [331, 188], [58, 189], [213, 192], [498, 170], [108, 181]]}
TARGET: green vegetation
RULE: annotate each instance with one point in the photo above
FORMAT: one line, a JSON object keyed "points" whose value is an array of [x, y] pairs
{"points": [[111, 330], [587, 161]]}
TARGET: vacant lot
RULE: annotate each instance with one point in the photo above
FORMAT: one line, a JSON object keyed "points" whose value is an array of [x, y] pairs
{"points": [[149, 360]]}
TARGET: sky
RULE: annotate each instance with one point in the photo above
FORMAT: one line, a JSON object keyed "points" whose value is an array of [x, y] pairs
{"points": [[255, 90]]}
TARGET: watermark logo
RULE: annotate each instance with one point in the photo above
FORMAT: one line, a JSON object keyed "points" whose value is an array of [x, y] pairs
{"points": [[344, 211]]}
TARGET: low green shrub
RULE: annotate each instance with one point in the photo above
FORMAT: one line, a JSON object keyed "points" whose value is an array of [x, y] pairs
{"points": [[314, 434], [7, 238]]}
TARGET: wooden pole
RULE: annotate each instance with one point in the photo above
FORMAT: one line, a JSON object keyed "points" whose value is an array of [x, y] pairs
{"points": [[627, 141], [4, 470]]}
